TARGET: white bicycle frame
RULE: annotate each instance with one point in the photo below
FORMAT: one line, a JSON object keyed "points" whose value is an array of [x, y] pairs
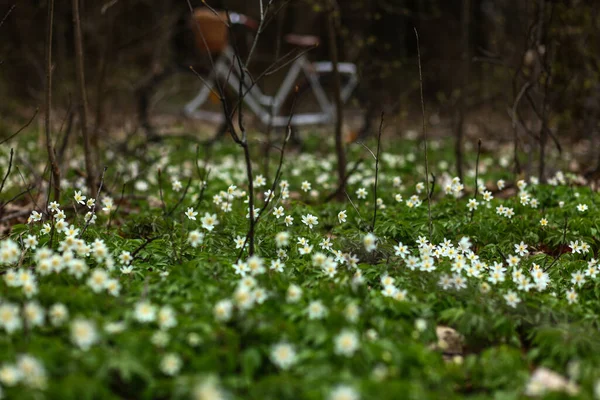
{"points": [[265, 107]]}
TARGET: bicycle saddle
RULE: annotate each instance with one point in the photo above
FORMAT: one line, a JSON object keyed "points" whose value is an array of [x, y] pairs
{"points": [[302, 40]]}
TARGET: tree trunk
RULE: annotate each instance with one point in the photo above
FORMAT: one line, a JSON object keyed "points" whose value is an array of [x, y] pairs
{"points": [[462, 102], [543, 118], [83, 106], [339, 117], [49, 146]]}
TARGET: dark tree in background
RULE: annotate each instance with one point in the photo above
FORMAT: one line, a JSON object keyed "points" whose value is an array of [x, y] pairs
{"points": [[474, 52]]}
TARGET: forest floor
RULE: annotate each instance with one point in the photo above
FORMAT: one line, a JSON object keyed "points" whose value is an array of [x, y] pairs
{"points": [[487, 288]]}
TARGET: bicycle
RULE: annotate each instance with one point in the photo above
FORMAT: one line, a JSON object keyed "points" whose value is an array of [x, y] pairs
{"points": [[212, 36]]}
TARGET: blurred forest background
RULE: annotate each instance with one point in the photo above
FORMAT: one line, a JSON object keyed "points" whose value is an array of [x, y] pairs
{"points": [[525, 70]]}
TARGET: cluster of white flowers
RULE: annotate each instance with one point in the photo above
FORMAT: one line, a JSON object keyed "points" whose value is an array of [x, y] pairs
{"points": [[507, 212], [390, 290], [9, 252], [274, 275], [454, 187], [27, 371]]}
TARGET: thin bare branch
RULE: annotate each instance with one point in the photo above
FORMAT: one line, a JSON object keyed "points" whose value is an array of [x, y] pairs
{"points": [[97, 199], [176, 206], [353, 205], [376, 174], [424, 134], [21, 128], [49, 146], [10, 161], [339, 189], [142, 247], [340, 150], [83, 112], [275, 67], [476, 176], [7, 14], [204, 82], [160, 191], [263, 13], [367, 148]]}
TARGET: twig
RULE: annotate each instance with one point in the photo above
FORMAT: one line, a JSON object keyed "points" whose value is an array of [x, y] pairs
{"points": [[83, 112], [53, 228], [50, 178], [47, 208], [464, 85], [477, 168], [268, 143], [29, 187], [208, 53], [368, 149], [215, 12], [203, 176], [243, 142], [269, 129], [337, 99], [513, 115], [354, 206], [424, 133], [160, 191], [274, 68], [38, 178], [101, 184], [432, 185], [267, 72], [107, 5], [204, 82], [7, 14], [277, 173], [501, 253], [181, 198], [142, 247], [97, 199], [106, 54], [562, 246], [16, 197], [240, 91], [282, 5], [476, 176], [69, 121], [204, 185], [281, 154], [376, 174], [544, 130], [21, 128], [263, 13], [10, 161], [48, 110], [252, 222], [339, 189]]}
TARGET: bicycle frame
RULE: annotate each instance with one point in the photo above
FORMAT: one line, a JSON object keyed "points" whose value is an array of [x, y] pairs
{"points": [[266, 107]]}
